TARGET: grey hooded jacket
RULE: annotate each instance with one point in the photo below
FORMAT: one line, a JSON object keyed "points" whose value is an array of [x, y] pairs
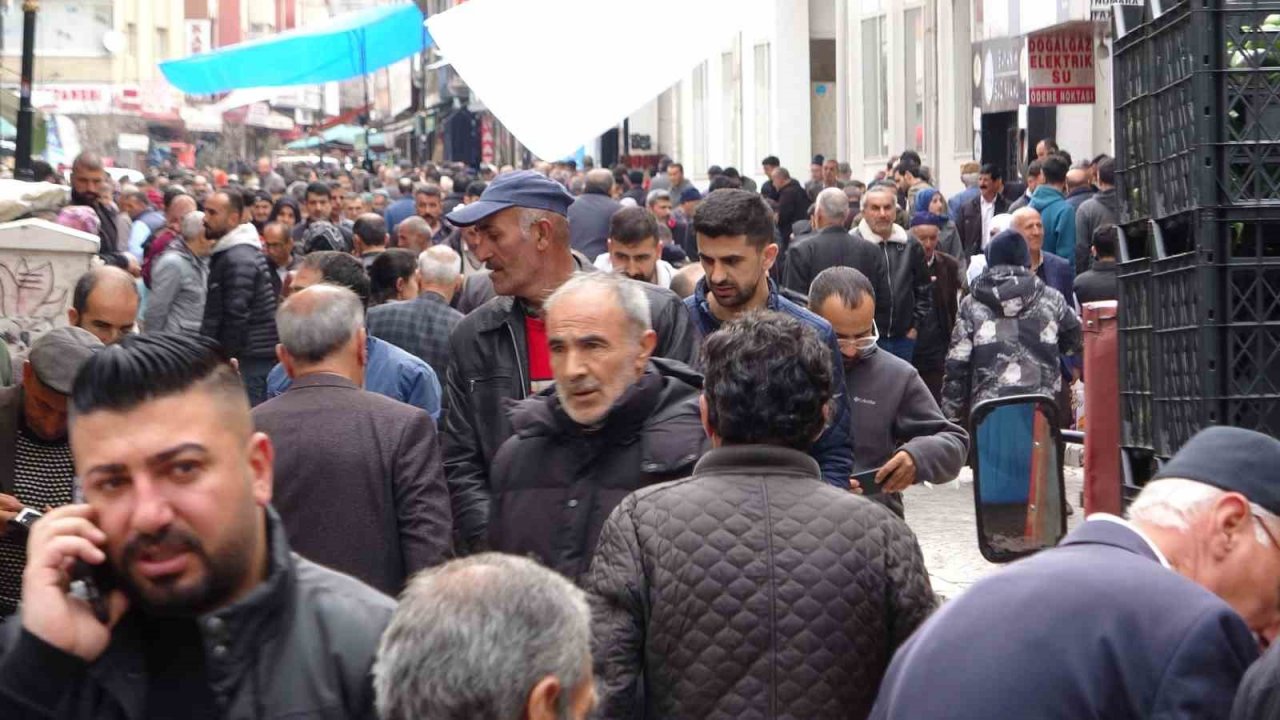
{"points": [[179, 284]]}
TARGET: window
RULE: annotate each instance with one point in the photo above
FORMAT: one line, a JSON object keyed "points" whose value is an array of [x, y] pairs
{"points": [[162, 44], [731, 95], [762, 103], [913, 71], [961, 79], [875, 96], [131, 37]]}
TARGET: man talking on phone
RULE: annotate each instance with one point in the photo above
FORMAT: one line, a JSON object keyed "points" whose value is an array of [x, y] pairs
{"points": [[35, 457], [207, 612]]}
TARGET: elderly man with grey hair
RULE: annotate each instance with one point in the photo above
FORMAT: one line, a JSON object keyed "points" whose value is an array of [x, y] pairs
{"points": [[1156, 616], [490, 637], [179, 280], [619, 420], [359, 481], [422, 326], [830, 245], [590, 214]]}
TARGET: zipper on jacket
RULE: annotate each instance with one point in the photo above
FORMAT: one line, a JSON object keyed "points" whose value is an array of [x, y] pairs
{"points": [[524, 386], [888, 270]]}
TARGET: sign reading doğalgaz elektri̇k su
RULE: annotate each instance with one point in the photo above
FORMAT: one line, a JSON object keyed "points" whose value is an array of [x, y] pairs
{"points": [[1060, 67]]}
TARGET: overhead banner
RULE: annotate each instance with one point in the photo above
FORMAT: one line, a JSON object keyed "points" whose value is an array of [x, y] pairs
{"points": [[1060, 67]]}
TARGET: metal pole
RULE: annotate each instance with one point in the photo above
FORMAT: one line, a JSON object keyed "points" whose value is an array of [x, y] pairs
{"points": [[22, 154]]}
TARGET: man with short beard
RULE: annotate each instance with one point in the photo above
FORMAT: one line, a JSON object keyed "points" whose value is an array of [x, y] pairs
{"points": [[633, 248], [91, 187], [736, 247], [619, 420], [240, 308], [201, 610]]}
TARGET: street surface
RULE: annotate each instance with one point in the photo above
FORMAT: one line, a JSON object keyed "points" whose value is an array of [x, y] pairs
{"points": [[942, 518]]}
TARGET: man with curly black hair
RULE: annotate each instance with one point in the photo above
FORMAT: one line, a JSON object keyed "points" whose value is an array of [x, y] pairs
{"points": [[753, 583]]}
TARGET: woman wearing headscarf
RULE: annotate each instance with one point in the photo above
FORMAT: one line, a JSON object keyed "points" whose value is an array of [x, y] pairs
{"points": [[931, 202], [286, 211]]}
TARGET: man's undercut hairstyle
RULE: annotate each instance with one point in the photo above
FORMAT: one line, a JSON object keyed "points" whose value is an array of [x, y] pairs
{"points": [[429, 190], [1107, 170], [87, 161], [846, 283], [906, 166], [599, 182], [656, 195], [339, 268], [726, 213], [1106, 240], [632, 225], [89, 281], [992, 171], [439, 265], [1054, 169], [471, 638], [319, 188], [627, 295], [193, 224], [319, 321], [833, 204], [388, 267], [371, 228], [146, 367], [235, 201], [756, 394], [771, 161]]}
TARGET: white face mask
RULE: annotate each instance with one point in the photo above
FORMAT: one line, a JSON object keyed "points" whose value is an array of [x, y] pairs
{"points": [[865, 346]]}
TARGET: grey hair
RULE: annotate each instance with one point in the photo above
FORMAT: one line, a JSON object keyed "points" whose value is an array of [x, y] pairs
{"points": [[599, 181], [315, 323], [833, 204], [439, 265], [192, 225], [1172, 503], [471, 638], [627, 294], [656, 195]]}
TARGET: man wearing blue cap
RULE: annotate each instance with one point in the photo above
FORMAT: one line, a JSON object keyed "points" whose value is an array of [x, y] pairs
{"points": [[1156, 616], [499, 351]]}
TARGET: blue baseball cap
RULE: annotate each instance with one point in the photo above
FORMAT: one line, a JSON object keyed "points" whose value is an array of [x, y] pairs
{"points": [[525, 189]]}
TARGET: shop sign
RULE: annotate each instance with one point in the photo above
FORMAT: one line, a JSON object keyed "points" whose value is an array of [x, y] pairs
{"points": [[1060, 67], [73, 99], [999, 84]]}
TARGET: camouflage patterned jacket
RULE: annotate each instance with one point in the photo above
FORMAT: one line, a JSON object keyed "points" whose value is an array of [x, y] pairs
{"points": [[1009, 336]]}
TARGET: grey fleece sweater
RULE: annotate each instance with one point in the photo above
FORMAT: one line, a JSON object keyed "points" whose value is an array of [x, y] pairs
{"points": [[891, 409]]}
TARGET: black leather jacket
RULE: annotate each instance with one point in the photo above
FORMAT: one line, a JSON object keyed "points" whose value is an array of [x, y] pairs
{"points": [[300, 645], [489, 370]]}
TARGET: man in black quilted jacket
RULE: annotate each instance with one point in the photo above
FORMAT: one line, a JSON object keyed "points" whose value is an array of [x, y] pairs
{"points": [[753, 588], [240, 307]]}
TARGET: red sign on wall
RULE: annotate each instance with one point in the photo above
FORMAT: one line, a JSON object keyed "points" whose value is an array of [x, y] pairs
{"points": [[1060, 67]]}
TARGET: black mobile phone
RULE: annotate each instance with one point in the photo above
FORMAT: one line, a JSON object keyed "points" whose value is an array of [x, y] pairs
{"points": [[92, 583], [867, 481]]}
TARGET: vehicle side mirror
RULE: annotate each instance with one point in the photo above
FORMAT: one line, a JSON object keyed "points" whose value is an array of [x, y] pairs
{"points": [[1018, 489]]}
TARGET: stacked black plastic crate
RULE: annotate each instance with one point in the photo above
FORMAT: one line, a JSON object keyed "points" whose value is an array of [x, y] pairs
{"points": [[1197, 93]]}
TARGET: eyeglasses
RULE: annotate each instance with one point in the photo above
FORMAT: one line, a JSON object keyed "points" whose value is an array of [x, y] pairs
{"points": [[863, 343], [1257, 515]]}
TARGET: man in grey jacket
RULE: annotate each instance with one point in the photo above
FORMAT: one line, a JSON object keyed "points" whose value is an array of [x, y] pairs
{"points": [[1101, 209], [900, 436], [179, 281]]}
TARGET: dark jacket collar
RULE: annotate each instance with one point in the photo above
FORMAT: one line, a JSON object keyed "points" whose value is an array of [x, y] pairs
{"points": [[1102, 532], [322, 379], [756, 460], [708, 322], [241, 629]]}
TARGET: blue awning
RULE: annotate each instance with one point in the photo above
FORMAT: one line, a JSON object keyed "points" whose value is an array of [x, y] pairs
{"points": [[347, 46], [337, 135]]}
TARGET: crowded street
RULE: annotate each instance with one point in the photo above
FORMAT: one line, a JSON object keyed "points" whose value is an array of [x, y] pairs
{"points": [[873, 359]]}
